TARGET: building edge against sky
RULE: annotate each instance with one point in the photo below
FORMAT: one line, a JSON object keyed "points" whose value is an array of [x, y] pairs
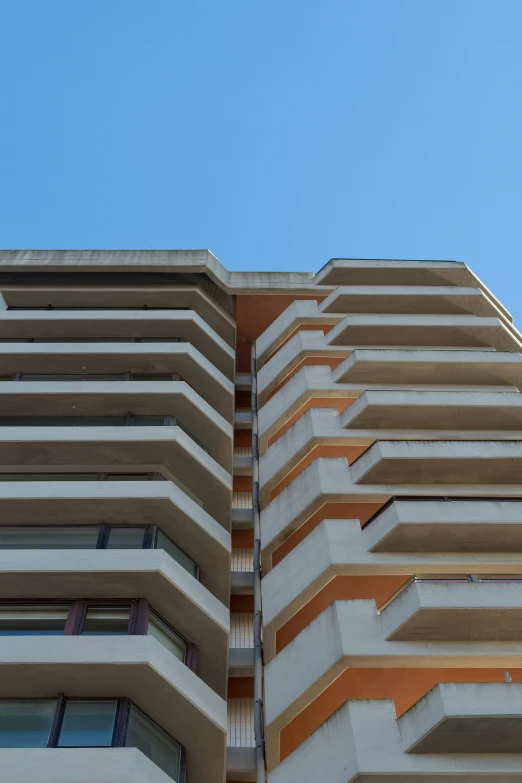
{"points": [[257, 523]]}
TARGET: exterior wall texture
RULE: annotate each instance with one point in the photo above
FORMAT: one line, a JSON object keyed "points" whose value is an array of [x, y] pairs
{"points": [[305, 487]]}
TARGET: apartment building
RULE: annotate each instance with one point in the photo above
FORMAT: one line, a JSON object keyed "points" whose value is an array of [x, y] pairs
{"points": [[257, 526]]}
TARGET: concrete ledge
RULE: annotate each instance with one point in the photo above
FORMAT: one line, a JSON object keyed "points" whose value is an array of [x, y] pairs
{"points": [[465, 718], [460, 331], [187, 324], [437, 368], [440, 462], [138, 667], [241, 662], [100, 358], [410, 299], [242, 519], [487, 525], [126, 573], [455, 611], [242, 583], [159, 503], [167, 449], [242, 466], [83, 765], [241, 764]]}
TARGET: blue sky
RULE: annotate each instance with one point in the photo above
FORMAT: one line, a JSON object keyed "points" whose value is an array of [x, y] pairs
{"points": [[277, 134]]}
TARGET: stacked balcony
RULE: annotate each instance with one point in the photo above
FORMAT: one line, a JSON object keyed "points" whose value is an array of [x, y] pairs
{"points": [[116, 462], [391, 452]]}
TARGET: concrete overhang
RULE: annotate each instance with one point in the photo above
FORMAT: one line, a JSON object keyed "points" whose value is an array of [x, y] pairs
{"points": [[322, 427], [455, 611], [488, 526], [137, 667], [68, 574], [362, 743], [114, 398], [434, 410], [338, 547], [189, 297], [388, 299], [302, 312], [118, 503], [314, 386], [459, 331], [241, 663], [440, 462], [166, 449], [442, 368], [63, 325], [118, 358], [83, 765], [350, 634], [396, 272], [330, 480], [465, 718]]}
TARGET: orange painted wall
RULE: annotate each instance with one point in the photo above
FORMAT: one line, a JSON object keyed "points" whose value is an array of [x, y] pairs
{"points": [[404, 686], [340, 588], [254, 314], [241, 603], [242, 484], [240, 687], [361, 511], [242, 539]]}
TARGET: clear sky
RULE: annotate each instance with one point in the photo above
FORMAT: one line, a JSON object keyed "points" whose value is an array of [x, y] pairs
{"points": [[278, 133]]}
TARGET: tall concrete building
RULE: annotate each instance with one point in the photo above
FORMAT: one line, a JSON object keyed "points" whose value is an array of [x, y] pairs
{"points": [[257, 526]]}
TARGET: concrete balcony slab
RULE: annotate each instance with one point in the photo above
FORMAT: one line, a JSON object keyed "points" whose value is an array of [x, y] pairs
{"points": [[330, 481], [126, 573], [241, 764], [139, 358], [137, 667], [63, 325], [465, 718], [411, 299], [434, 410], [83, 765], [190, 297], [455, 611], [440, 462], [486, 526], [241, 662], [362, 743], [167, 449], [114, 398], [125, 503], [300, 312], [390, 272], [435, 368], [459, 331]]}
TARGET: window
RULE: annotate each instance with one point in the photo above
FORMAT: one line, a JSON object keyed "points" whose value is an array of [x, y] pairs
{"points": [[125, 537], [88, 723], [26, 724], [95, 618], [154, 743], [37, 620], [81, 477]]}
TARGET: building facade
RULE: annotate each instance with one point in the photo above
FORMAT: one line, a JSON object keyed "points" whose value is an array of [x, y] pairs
{"points": [[257, 526]]}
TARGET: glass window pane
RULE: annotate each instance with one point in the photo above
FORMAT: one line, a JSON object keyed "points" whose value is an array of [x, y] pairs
{"points": [[49, 537], [106, 620], [73, 377], [128, 477], [88, 724], [148, 421], [33, 620], [164, 542], [49, 476], [166, 636], [126, 538], [25, 724], [153, 743]]}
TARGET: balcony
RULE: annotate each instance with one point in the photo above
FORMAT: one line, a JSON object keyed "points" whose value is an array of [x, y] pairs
{"points": [[470, 731], [166, 448], [139, 668], [444, 331], [81, 360], [113, 326]]}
